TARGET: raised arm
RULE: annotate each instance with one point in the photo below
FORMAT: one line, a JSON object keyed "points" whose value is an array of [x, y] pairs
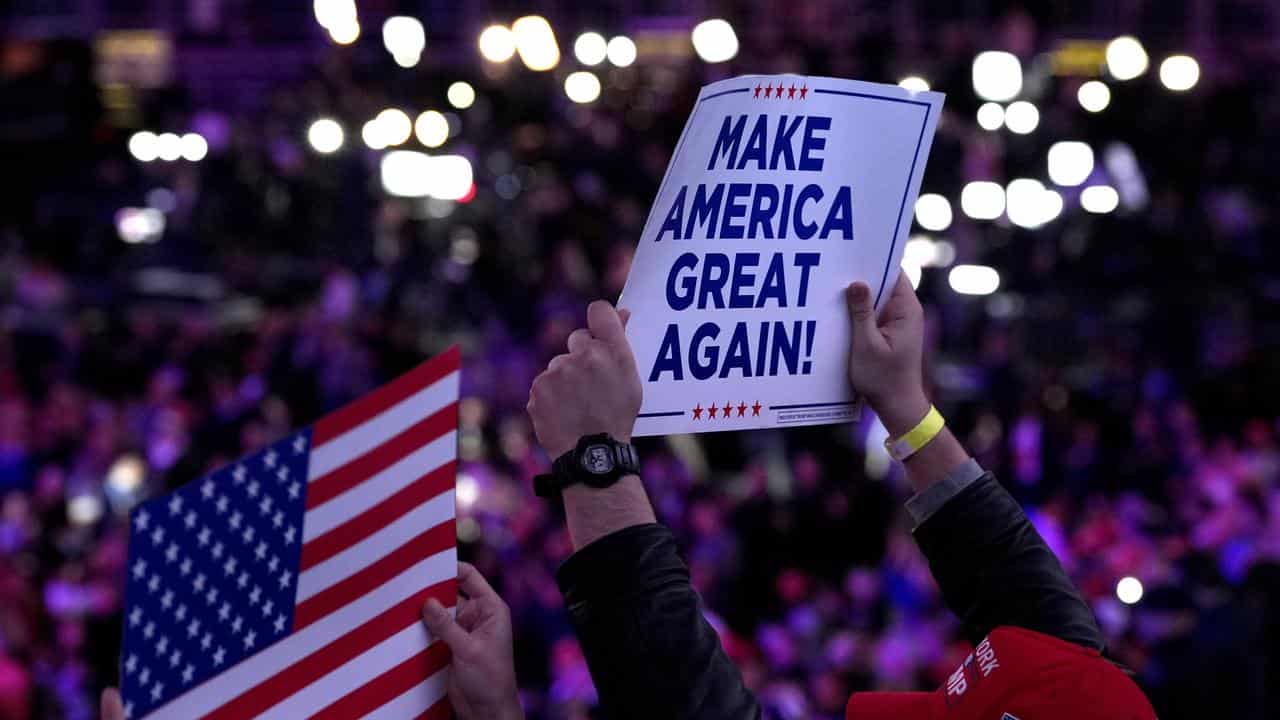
{"points": [[992, 566], [651, 652]]}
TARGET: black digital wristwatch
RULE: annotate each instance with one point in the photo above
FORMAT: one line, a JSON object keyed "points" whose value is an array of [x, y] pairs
{"points": [[598, 461]]}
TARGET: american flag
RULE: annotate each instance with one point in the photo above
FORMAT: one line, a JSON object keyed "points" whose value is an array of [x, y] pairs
{"points": [[290, 584]]}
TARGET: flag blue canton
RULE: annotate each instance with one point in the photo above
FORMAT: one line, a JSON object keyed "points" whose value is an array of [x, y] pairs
{"points": [[212, 573]]}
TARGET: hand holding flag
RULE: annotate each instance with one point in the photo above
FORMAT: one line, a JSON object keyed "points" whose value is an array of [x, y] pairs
{"points": [[290, 585]]}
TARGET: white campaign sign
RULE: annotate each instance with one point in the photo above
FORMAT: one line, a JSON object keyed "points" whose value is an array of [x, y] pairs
{"points": [[782, 190]]}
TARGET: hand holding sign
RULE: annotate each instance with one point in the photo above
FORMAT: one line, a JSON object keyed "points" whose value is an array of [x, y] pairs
{"points": [[592, 389], [886, 354], [770, 206]]}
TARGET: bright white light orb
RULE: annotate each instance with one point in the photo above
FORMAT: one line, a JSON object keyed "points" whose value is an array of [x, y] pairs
{"points": [[168, 147], [84, 509], [396, 127], [332, 13], [536, 43], [451, 177], [194, 147], [373, 136], [582, 87], [973, 279], [139, 225], [406, 173], [403, 36], [590, 48], [933, 212], [467, 492], [918, 251], [997, 76], [144, 146], [1094, 96], [406, 61], [1070, 162], [1129, 590], [621, 51], [715, 41], [982, 200], [1126, 58], [1179, 72], [431, 128], [325, 135], [991, 116], [1021, 117], [914, 83], [497, 43], [461, 95], [1099, 199], [1029, 204], [346, 33], [126, 474]]}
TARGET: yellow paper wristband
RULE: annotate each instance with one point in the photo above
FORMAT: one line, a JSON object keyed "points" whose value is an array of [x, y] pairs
{"points": [[917, 437]]}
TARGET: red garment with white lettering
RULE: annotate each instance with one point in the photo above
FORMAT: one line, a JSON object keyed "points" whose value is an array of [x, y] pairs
{"points": [[1017, 674]]}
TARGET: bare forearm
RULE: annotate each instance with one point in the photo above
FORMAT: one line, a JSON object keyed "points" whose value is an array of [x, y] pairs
{"points": [[593, 513]]}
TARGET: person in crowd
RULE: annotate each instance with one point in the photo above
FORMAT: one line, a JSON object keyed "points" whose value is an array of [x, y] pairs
{"points": [[1038, 650]]}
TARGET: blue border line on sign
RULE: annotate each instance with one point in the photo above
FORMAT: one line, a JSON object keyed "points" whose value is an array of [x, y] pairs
{"points": [[893, 241], [726, 92]]}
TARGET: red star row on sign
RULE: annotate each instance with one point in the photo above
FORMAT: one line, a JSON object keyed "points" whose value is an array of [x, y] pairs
{"points": [[727, 410], [777, 91]]}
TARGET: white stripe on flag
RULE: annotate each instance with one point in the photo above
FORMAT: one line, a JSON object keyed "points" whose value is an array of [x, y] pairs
{"points": [[369, 550], [341, 508], [357, 671], [377, 430], [416, 700], [259, 668]]}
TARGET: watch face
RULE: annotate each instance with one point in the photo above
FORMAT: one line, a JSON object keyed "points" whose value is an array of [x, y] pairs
{"points": [[597, 459]]}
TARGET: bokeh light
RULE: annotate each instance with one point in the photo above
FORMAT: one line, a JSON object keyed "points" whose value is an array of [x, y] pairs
{"points": [[1126, 58], [582, 86], [621, 51], [715, 41], [497, 43], [590, 48], [991, 116], [461, 95], [973, 279], [1179, 72], [1021, 117], [1094, 96], [431, 129], [982, 200], [536, 43], [997, 76], [325, 135], [933, 212]]}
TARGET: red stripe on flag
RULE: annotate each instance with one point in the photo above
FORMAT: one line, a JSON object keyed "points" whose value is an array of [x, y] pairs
{"points": [[334, 541], [389, 685], [349, 416], [440, 711], [437, 539], [328, 486], [337, 653]]}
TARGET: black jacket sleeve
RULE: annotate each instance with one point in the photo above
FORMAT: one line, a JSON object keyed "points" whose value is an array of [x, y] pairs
{"points": [[994, 568], [651, 652]]}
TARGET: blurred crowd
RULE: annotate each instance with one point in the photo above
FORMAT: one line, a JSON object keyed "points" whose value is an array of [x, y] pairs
{"points": [[1123, 382]]}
